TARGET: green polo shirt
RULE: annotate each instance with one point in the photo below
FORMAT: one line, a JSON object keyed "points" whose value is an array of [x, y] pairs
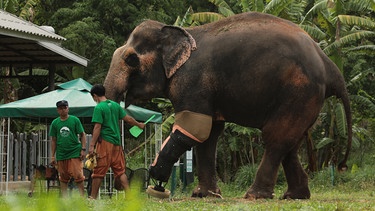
{"points": [[66, 132], [108, 113]]}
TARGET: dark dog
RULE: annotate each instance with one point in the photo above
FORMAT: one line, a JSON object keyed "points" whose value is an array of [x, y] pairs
{"points": [[42, 173]]}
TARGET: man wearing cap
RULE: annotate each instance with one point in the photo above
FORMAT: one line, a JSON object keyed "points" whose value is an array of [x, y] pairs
{"points": [[70, 152]]}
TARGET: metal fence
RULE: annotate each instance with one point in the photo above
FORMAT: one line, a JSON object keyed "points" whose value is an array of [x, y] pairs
{"points": [[21, 152]]}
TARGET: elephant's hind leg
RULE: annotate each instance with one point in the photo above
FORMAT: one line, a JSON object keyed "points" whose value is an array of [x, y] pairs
{"points": [[206, 164], [265, 178], [296, 177], [282, 138]]}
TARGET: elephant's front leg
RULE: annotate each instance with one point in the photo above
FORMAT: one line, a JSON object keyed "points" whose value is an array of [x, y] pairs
{"points": [[190, 129], [206, 164]]}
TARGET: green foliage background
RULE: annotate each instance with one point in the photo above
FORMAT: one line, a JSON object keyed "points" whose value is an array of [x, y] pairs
{"points": [[344, 29]]}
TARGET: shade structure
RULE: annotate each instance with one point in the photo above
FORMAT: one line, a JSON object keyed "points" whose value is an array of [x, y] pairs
{"points": [[43, 107], [23, 43], [76, 92], [81, 104]]}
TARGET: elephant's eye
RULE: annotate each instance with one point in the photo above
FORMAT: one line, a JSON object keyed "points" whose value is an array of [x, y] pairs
{"points": [[132, 60]]}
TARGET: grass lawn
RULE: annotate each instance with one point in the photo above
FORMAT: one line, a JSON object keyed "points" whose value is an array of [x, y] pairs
{"points": [[323, 198]]}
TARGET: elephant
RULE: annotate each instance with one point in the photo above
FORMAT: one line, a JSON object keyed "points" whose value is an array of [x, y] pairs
{"points": [[252, 69]]}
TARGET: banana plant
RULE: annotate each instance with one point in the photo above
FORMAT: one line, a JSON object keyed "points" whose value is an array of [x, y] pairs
{"points": [[166, 107], [9, 5], [336, 33]]}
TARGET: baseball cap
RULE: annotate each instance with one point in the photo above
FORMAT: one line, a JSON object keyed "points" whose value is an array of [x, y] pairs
{"points": [[62, 103]]}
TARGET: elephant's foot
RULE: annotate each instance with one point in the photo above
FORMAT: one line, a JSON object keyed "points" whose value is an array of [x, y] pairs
{"points": [[300, 193], [201, 192], [253, 194]]}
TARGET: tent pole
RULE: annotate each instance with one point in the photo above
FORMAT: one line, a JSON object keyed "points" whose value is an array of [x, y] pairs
{"points": [[122, 135], [145, 150], [8, 159]]}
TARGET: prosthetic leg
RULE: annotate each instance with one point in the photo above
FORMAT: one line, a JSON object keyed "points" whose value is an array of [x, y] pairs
{"points": [[176, 144], [190, 129]]}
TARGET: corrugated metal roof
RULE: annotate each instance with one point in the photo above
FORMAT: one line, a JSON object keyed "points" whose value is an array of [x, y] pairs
{"points": [[10, 22], [24, 43], [65, 53]]}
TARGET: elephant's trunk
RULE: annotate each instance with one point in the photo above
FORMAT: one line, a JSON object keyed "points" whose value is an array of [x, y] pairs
{"points": [[116, 81]]}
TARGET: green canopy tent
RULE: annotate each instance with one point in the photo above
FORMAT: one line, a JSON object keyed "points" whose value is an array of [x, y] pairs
{"points": [[81, 104], [42, 108]]}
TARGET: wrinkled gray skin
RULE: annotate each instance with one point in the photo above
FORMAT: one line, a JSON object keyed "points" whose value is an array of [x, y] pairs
{"points": [[252, 69]]}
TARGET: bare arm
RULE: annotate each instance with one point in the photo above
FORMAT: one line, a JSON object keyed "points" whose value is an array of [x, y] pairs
{"points": [[53, 149], [130, 120], [83, 144], [95, 136]]}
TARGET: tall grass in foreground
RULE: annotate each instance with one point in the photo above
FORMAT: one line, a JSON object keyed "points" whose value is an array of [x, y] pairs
{"points": [[353, 190], [53, 202]]}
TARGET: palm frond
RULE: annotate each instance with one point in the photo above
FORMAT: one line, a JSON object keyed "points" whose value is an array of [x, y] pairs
{"points": [[36, 71], [348, 39], [27, 11], [331, 48], [364, 48], [319, 6], [314, 32], [323, 142], [256, 5], [341, 120], [276, 6], [355, 36], [178, 21], [363, 102], [167, 125], [336, 7], [186, 20], [242, 131], [225, 11], [163, 103], [223, 7], [10, 6], [245, 5], [362, 135], [206, 17], [358, 21], [195, 23], [360, 6], [296, 10]]}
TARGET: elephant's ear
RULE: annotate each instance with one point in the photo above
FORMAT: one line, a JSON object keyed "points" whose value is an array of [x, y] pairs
{"points": [[177, 45]]}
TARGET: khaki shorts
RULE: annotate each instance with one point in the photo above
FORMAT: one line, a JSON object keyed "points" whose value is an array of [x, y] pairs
{"points": [[109, 155], [71, 168]]}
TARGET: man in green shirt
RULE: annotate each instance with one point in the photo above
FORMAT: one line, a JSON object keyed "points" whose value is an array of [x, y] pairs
{"points": [[106, 139], [69, 151]]}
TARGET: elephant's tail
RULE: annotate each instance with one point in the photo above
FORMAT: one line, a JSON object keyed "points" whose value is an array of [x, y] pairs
{"points": [[337, 87]]}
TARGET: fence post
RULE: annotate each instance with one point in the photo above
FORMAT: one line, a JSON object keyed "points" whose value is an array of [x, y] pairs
{"points": [[88, 141], [16, 159], [11, 157], [3, 152], [31, 158], [23, 157], [37, 152]]}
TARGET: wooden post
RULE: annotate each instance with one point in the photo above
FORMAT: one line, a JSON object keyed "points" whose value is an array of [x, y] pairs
{"points": [[31, 158], [16, 159], [51, 75], [23, 157], [10, 153]]}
